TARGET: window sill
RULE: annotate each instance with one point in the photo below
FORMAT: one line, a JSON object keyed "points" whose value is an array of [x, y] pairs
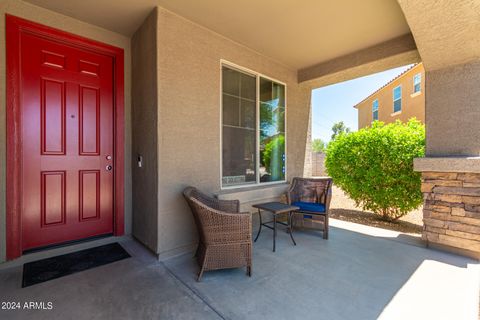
{"points": [[396, 113], [416, 94], [254, 193]]}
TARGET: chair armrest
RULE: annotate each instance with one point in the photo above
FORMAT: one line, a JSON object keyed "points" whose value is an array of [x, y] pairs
{"points": [[230, 206], [328, 199], [292, 197]]}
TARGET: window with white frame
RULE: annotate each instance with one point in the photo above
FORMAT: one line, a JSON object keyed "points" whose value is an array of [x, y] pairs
{"points": [[253, 128], [397, 99], [417, 83], [375, 110]]}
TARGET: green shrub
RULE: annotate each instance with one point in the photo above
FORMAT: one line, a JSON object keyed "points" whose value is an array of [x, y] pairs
{"points": [[374, 166]]}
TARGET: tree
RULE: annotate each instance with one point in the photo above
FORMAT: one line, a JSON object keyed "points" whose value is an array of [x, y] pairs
{"points": [[318, 145], [339, 128], [374, 166]]}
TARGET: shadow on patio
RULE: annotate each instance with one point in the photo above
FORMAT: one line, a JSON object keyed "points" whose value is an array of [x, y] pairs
{"points": [[359, 273]]}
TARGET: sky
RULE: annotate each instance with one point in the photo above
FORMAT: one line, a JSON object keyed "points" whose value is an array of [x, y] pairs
{"points": [[335, 103]]}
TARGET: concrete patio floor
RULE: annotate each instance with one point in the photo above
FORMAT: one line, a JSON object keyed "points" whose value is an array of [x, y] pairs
{"points": [[359, 273]]}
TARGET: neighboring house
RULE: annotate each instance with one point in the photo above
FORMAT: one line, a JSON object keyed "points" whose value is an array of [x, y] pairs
{"points": [[400, 99]]}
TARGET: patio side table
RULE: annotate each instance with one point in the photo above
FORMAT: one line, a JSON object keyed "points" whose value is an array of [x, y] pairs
{"points": [[276, 208]]}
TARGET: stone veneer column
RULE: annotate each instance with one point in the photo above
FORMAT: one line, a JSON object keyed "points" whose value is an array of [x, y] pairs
{"points": [[451, 212], [451, 166]]}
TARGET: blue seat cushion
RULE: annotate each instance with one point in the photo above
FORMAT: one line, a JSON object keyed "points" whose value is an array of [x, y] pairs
{"points": [[309, 206]]}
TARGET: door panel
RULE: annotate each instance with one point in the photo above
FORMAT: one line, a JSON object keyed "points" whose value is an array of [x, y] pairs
{"points": [[67, 129], [52, 190], [89, 121], [52, 113], [89, 194]]}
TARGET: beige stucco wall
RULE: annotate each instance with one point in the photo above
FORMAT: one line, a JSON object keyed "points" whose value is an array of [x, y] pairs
{"points": [[144, 132], [189, 118], [413, 105], [451, 56], [390, 54], [52, 19], [453, 112], [445, 31], [308, 162]]}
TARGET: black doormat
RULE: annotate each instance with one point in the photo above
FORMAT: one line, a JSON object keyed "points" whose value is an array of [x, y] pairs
{"points": [[59, 266]]}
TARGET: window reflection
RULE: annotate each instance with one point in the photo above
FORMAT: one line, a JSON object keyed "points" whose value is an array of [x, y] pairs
{"points": [[239, 128], [272, 131]]}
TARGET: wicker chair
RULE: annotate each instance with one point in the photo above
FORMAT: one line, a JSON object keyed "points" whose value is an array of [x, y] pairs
{"points": [[225, 234], [313, 196]]}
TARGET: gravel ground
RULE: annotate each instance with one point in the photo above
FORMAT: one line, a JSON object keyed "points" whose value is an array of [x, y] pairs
{"points": [[343, 208]]}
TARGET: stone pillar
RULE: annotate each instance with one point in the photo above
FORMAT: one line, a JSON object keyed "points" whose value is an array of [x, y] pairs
{"points": [[450, 53], [451, 211], [451, 169]]}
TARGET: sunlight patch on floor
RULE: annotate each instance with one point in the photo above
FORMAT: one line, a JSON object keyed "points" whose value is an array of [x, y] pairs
{"points": [[428, 293], [368, 230]]}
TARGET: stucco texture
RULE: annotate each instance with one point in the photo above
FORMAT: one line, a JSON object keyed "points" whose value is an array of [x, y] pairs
{"points": [[450, 52], [55, 20], [189, 118], [386, 55], [144, 132], [446, 31], [413, 105], [452, 111]]}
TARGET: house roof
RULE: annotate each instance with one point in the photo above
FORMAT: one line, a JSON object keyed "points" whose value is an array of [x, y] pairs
{"points": [[386, 84]]}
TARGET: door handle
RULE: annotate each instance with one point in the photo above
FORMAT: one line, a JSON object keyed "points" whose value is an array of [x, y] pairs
{"points": [[109, 168]]}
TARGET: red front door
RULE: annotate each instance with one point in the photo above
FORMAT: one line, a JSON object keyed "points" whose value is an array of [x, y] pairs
{"points": [[67, 119]]}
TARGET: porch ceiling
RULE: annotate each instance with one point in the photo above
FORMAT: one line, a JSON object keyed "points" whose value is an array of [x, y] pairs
{"points": [[297, 34]]}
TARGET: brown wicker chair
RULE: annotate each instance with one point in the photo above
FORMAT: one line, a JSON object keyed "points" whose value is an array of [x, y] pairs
{"points": [[225, 234], [313, 196]]}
